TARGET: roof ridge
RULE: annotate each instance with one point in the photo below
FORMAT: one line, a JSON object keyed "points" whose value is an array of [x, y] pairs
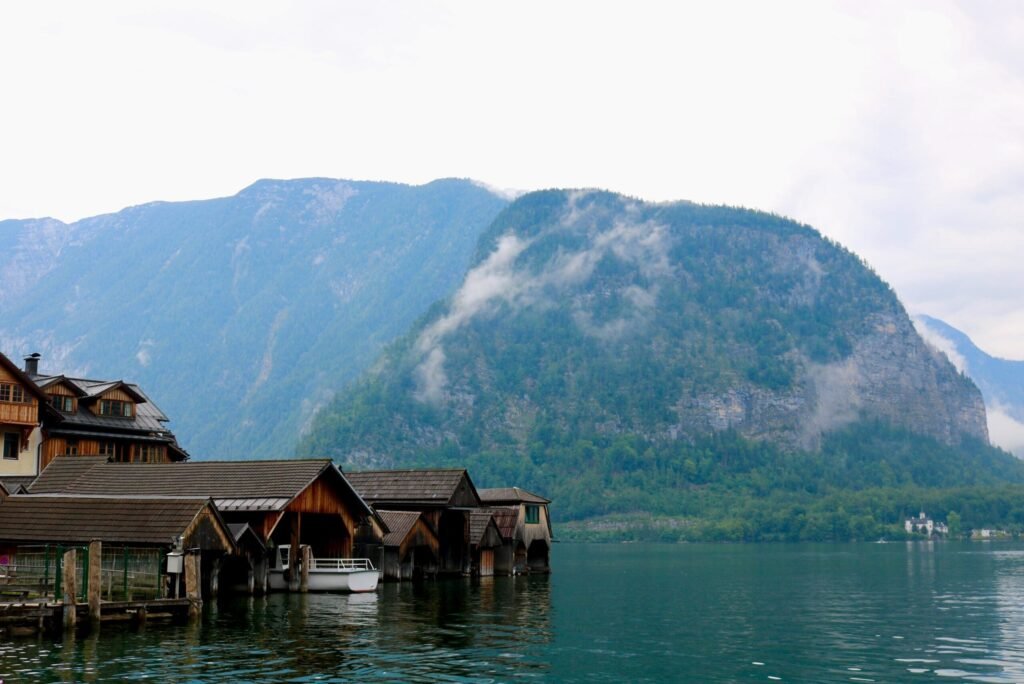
{"points": [[231, 461], [407, 470]]}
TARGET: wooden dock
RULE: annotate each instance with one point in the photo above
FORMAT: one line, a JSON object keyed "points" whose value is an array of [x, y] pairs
{"points": [[28, 617]]}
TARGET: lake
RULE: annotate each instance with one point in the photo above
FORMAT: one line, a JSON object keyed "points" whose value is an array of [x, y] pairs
{"points": [[895, 612]]}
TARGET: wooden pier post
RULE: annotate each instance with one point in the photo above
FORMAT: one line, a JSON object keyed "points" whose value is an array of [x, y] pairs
{"points": [[214, 577], [307, 560], [69, 590], [193, 584], [260, 568], [293, 552], [95, 578]]}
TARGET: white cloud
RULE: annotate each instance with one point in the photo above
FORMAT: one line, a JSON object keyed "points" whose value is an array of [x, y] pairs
{"points": [[945, 345], [501, 280], [896, 128], [1005, 431]]}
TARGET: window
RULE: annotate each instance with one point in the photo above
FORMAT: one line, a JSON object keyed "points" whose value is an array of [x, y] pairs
{"points": [[106, 448], [63, 404], [11, 446], [13, 393], [115, 407], [71, 447], [532, 514], [149, 453]]}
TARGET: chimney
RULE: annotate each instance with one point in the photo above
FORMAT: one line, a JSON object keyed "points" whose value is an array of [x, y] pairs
{"points": [[32, 364]]}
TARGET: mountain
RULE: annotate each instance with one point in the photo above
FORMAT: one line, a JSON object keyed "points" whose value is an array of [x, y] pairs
{"points": [[1001, 381], [240, 316], [622, 356]]}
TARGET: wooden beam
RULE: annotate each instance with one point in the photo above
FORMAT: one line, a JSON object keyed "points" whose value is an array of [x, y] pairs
{"points": [[95, 578]]}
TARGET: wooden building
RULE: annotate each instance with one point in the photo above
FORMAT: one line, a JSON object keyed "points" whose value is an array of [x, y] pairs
{"points": [[285, 503], [444, 497], [164, 522], [31, 523], [111, 418], [411, 548], [484, 540], [22, 408], [529, 544]]}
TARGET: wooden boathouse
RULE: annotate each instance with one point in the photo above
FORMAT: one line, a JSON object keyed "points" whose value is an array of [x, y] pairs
{"points": [[106, 556], [444, 498], [284, 503], [525, 523], [484, 539], [411, 549]]}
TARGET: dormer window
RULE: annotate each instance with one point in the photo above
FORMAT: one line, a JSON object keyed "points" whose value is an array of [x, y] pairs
{"points": [[115, 407], [63, 404]]}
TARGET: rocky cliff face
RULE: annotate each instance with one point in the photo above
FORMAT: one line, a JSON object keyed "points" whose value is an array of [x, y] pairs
{"points": [[890, 375], [591, 316], [1001, 381]]}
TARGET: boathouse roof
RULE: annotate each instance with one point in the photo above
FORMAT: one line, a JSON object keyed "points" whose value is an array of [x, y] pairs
{"points": [[506, 519], [420, 487], [500, 495], [233, 485], [55, 518], [400, 523], [480, 522]]}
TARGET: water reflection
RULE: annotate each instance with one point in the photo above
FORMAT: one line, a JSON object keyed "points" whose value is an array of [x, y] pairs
{"points": [[638, 613], [466, 630]]}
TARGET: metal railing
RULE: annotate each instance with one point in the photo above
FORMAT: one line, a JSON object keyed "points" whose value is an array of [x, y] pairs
{"points": [[37, 571], [126, 573], [341, 564], [131, 574]]}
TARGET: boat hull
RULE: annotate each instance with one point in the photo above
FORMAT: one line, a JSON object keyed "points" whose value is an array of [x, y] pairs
{"points": [[354, 581]]}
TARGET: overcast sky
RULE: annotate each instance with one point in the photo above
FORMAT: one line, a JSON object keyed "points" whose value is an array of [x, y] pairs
{"points": [[895, 128]]}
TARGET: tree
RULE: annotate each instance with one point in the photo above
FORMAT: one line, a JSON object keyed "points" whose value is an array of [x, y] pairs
{"points": [[953, 521]]}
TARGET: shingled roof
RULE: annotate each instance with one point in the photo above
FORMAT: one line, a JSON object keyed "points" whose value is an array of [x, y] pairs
{"points": [[426, 487], [61, 473], [400, 523], [136, 520], [501, 495], [479, 521], [505, 519], [234, 485]]}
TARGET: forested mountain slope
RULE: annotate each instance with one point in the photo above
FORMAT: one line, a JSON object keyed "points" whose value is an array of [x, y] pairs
{"points": [[240, 315], [618, 355]]}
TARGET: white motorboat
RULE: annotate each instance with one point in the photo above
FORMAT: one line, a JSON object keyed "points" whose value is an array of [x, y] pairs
{"points": [[328, 574]]}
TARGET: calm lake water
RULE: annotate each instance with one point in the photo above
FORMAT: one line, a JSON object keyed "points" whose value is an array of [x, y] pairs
{"points": [[626, 613]]}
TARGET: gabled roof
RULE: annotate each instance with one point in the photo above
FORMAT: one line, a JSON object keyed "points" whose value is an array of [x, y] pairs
{"points": [[479, 521], [234, 485], [400, 523], [46, 382], [135, 520], [148, 416], [244, 535], [24, 379], [16, 484], [506, 495], [426, 487], [505, 519], [93, 389]]}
